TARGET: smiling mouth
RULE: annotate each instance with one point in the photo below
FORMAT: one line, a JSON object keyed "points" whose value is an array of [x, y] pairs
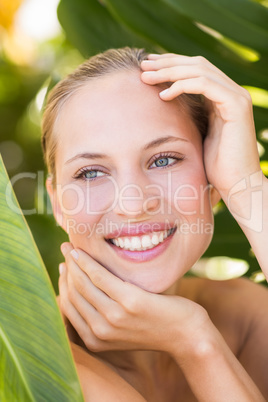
{"points": [[142, 243]]}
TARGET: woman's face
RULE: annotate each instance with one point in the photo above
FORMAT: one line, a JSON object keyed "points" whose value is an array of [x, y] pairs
{"points": [[131, 187]]}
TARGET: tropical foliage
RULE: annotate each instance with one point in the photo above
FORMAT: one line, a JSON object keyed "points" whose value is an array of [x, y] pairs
{"points": [[36, 362]]}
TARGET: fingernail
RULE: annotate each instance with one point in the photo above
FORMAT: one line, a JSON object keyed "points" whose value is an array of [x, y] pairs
{"points": [[163, 92], [75, 254], [61, 268], [148, 72], [63, 249], [148, 61]]}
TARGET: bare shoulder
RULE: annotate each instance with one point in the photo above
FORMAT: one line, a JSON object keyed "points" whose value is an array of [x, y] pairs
{"points": [[239, 309], [241, 299], [99, 382], [244, 302]]}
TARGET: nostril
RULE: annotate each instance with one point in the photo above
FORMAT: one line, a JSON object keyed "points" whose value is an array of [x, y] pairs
{"points": [[152, 203]]}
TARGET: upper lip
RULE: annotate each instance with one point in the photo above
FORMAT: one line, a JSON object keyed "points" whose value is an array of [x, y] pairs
{"points": [[139, 229]]}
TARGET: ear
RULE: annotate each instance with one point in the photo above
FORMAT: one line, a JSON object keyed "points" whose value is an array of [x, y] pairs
{"points": [[214, 196], [56, 207]]}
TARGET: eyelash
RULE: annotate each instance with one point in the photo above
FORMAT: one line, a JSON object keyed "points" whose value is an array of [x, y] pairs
{"points": [[162, 155], [82, 172], [166, 155]]}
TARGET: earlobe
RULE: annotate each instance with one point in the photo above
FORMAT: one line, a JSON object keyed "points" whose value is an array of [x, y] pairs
{"points": [[57, 211], [214, 196]]}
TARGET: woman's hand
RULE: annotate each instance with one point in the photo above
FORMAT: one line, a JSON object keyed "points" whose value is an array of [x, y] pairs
{"points": [[110, 314], [230, 148]]}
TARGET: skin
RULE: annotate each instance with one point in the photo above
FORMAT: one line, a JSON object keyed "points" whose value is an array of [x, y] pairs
{"points": [[132, 322]]}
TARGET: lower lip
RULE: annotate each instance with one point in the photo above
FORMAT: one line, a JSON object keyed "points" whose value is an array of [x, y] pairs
{"points": [[143, 255]]}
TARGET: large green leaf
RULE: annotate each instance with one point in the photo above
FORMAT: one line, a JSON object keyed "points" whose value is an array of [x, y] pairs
{"points": [[245, 21], [92, 29], [162, 23], [36, 363]]}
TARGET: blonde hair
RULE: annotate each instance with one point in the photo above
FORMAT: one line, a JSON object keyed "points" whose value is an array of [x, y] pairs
{"points": [[110, 61]]}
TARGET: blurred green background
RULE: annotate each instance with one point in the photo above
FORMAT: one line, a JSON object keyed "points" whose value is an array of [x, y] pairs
{"points": [[233, 34]]}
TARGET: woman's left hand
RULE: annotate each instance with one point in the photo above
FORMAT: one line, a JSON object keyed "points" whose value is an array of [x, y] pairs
{"points": [[110, 314], [230, 148]]}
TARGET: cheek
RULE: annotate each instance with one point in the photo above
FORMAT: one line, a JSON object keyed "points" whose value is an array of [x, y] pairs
{"points": [[187, 191], [82, 200], [84, 205], [191, 195]]}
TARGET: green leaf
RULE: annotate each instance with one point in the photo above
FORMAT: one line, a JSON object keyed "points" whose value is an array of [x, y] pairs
{"points": [[244, 21], [36, 363], [229, 240], [91, 28], [164, 25]]}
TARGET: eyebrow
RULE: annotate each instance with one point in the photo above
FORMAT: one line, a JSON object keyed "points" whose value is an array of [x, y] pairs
{"points": [[86, 155], [152, 144], [163, 140]]}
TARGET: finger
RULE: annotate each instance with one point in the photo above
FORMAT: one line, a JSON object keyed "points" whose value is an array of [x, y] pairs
{"points": [[171, 60], [78, 278], [66, 247], [67, 309], [85, 309], [113, 286], [155, 56], [215, 92], [176, 73], [82, 289], [91, 326], [174, 60]]}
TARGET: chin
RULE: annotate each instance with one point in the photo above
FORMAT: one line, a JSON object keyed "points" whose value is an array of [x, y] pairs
{"points": [[156, 288], [153, 282]]}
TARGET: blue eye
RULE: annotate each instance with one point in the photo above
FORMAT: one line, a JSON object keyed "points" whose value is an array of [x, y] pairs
{"points": [[89, 174], [162, 162], [165, 160]]}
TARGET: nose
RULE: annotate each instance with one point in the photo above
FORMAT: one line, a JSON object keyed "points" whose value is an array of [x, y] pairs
{"points": [[137, 201]]}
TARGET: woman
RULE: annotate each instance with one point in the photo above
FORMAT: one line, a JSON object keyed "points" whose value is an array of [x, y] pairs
{"points": [[131, 146]]}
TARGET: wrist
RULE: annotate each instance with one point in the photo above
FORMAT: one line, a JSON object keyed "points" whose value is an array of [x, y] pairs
{"points": [[194, 339], [245, 200], [211, 368]]}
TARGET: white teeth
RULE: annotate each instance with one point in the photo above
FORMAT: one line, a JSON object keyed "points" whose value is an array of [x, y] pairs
{"points": [[127, 243], [155, 240], [116, 242], [121, 242], [135, 242], [138, 243], [146, 241]]}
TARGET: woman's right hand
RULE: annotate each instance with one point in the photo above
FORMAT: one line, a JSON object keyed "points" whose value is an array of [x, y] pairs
{"points": [[110, 314]]}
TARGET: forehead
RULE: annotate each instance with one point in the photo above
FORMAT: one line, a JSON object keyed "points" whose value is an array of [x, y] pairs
{"points": [[120, 104]]}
